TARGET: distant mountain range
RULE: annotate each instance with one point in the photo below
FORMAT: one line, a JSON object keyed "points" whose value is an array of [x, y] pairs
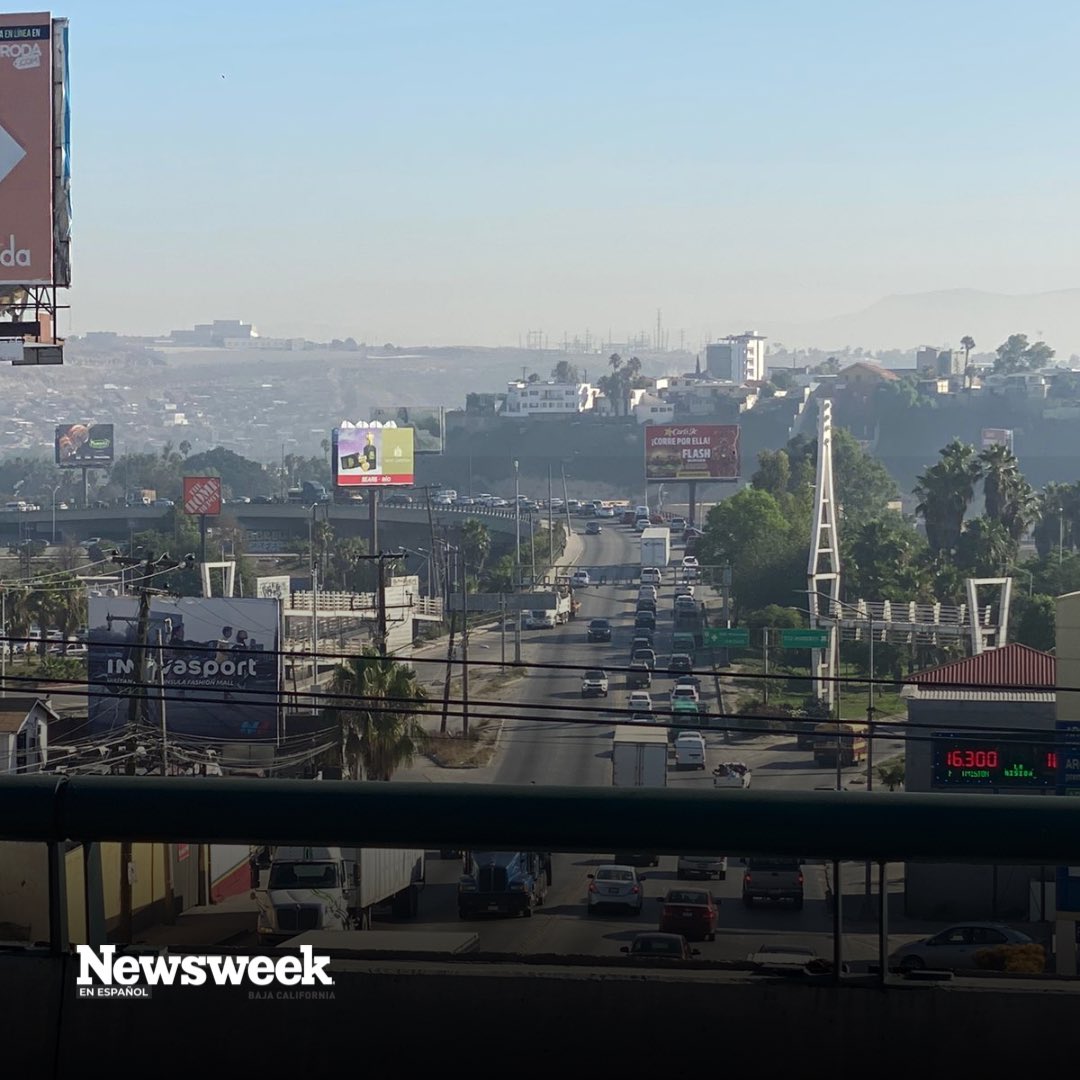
{"points": [[943, 318]]}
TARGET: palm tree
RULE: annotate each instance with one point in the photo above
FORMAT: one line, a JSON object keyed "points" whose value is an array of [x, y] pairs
{"points": [[1009, 498], [967, 343], [985, 548], [476, 543], [945, 492], [380, 727], [325, 445], [20, 614], [185, 447]]}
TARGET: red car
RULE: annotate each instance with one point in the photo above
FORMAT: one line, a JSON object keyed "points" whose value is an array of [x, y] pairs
{"points": [[690, 912]]}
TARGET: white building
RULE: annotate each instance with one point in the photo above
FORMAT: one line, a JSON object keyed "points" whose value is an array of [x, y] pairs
{"points": [[739, 358], [548, 398], [24, 738], [649, 409]]}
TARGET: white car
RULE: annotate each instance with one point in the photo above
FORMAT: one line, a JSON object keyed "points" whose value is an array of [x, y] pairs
{"points": [[690, 567], [605, 511], [689, 750], [580, 578], [685, 692], [615, 886], [640, 701], [650, 575], [641, 524], [954, 949]]}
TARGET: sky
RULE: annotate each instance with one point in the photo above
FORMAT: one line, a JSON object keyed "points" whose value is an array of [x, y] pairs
{"points": [[422, 172]]}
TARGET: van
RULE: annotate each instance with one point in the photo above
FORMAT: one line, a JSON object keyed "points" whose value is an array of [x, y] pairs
{"points": [[650, 575]]}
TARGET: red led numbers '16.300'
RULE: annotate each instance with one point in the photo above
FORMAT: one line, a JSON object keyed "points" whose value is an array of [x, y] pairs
{"points": [[972, 759], [961, 761]]}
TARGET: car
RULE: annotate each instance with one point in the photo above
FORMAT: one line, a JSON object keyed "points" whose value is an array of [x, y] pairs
{"points": [[645, 620], [647, 656], [647, 592], [639, 675], [615, 885], [689, 750], [594, 684], [690, 563], [643, 639], [954, 949], [646, 603], [605, 511], [680, 664], [701, 866], [163, 504], [580, 579], [593, 528], [640, 701], [641, 524], [261, 500], [685, 692], [664, 947], [685, 603], [91, 541], [690, 912], [599, 630], [773, 879], [688, 680], [677, 524], [684, 590], [641, 718]]}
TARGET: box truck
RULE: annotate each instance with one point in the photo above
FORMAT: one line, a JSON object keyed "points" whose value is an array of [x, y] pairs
{"points": [[656, 546], [639, 758]]}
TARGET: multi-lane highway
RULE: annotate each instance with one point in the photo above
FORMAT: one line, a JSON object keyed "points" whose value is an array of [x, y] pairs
{"points": [[556, 738]]}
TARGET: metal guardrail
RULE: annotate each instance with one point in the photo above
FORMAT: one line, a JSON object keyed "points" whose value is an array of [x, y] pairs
{"points": [[835, 825]]}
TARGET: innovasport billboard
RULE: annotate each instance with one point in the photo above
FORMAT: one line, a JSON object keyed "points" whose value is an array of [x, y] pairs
{"points": [[427, 422], [370, 454], [219, 662], [692, 452], [80, 446], [33, 150]]}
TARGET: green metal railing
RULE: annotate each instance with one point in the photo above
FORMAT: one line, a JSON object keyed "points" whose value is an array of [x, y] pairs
{"points": [[1039, 830]]}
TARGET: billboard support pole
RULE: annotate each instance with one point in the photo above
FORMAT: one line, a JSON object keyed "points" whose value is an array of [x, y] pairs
{"points": [[202, 537], [86, 488], [373, 518]]}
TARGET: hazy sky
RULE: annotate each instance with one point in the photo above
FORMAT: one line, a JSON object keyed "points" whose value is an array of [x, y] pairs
{"points": [[437, 172]]}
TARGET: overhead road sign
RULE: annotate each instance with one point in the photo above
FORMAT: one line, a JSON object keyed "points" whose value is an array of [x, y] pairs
{"points": [[804, 639], [726, 637]]}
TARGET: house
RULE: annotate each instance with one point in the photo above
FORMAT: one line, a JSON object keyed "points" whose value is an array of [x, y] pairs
{"points": [[864, 378], [24, 734], [969, 721]]}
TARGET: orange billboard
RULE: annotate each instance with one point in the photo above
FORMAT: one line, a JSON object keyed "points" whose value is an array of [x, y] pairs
{"points": [[26, 149]]}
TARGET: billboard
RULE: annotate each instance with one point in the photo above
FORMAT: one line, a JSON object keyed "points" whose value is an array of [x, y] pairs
{"points": [[996, 436], [369, 454], [26, 149], [83, 446], [219, 663], [278, 587], [427, 422], [692, 452], [202, 495]]}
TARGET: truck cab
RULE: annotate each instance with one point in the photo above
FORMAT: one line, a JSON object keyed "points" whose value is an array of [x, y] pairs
{"points": [[309, 888], [503, 883]]}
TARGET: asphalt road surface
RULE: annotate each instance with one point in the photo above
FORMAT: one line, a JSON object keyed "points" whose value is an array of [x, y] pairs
{"points": [[568, 741]]}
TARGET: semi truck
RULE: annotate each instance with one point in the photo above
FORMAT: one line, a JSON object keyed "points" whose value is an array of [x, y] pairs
{"points": [[656, 546], [639, 758], [847, 740], [503, 882], [334, 888]]}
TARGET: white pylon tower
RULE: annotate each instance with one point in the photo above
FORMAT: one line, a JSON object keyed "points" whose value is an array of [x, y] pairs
{"points": [[823, 571]]}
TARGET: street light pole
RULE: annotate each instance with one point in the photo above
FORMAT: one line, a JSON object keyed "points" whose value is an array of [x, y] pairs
{"points": [[54, 491], [517, 525]]}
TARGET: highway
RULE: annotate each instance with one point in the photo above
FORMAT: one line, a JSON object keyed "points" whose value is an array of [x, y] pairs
{"points": [[556, 750]]}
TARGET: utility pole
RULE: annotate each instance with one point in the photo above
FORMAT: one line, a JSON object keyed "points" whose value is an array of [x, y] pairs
{"points": [[517, 526], [464, 647], [170, 914]]}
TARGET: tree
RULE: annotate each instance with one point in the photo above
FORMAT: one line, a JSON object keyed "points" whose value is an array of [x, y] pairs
{"points": [[864, 487], [476, 545], [945, 491], [886, 560], [773, 473], [1033, 621], [185, 447], [379, 729], [565, 372], [985, 549], [1009, 497], [967, 343], [324, 445], [1015, 354]]}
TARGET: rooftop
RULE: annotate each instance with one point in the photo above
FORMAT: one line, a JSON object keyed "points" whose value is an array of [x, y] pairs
{"points": [[1013, 665]]}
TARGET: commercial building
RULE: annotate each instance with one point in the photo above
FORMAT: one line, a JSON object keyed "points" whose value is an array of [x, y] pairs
{"points": [[968, 734], [738, 358]]}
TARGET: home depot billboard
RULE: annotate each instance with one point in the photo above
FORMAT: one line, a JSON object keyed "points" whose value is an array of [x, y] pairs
{"points": [[202, 495], [692, 452], [33, 150], [371, 454]]}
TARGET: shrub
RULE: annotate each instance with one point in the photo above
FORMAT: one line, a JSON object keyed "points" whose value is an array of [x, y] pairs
{"points": [[1019, 959]]}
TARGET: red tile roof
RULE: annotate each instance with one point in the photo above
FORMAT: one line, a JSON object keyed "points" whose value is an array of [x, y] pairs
{"points": [[873, 369], [1011, 665]]}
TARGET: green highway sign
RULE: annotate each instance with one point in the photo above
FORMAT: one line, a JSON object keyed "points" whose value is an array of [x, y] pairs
{"points": [[724, 636], [804, 639]]}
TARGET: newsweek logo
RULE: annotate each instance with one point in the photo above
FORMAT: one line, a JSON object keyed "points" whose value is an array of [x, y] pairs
{"points": [[102, 974], [21, 55]]}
